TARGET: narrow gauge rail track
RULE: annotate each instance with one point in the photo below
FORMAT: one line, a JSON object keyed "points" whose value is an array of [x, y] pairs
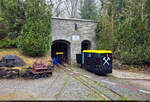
{"points": [[41, 95], [85, 81]]}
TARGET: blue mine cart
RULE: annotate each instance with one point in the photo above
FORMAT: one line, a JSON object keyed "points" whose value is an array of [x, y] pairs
{"points": [[96, 61], [59, 58]]}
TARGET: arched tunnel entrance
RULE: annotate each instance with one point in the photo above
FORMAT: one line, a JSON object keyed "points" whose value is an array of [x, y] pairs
{"points": [[86, 45], [61, 46]]}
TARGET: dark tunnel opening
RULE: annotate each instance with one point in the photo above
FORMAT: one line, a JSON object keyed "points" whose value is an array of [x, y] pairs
{"points": [[86, 45], [61, 46]]}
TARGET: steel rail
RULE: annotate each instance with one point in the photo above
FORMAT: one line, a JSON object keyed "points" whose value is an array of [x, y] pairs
{"points": [[71, 70], [87, 85]]}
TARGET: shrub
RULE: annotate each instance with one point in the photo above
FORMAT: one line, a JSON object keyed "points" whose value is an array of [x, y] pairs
{"points": [[132, 41], [3, 34], [35, 39], [7, 43], [126, 32], [3, 30], [4, 43], [11, 11]]}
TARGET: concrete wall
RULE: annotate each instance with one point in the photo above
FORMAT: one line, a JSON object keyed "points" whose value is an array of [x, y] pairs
{"points": [[64, 29]]}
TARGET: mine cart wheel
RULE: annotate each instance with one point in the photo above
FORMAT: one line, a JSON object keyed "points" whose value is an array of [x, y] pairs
{"points": [[50, 73], [36, 76], [10, 75], [44, 75]]}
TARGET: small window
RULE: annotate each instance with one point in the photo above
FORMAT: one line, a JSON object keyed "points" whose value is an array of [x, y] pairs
{"points": [[76, 27]]}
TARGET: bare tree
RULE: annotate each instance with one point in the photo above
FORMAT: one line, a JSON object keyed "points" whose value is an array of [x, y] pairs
{"points": [[66, 8], [72, 7], [57, 6]]}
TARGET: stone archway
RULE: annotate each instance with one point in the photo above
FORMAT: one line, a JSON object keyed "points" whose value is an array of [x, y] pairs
{"points": [[85, 45], [61, 46]]}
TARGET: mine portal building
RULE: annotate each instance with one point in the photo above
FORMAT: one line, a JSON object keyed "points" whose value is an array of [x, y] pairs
{"points": [[71, 36]]}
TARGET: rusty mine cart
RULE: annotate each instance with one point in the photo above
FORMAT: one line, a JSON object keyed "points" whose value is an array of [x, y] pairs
{"points": [[41, 69]]}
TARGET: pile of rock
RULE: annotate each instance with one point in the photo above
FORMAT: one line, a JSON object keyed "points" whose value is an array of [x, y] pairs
{"points": [[11, 61], [12, 66]]}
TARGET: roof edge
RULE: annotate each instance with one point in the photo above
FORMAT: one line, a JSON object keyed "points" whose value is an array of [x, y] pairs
{"points": [[74, 19]]}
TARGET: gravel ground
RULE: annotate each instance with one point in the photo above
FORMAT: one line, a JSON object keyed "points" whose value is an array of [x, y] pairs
{"points": [[75, 90], [127, 93], [141, 84], [62, 86], [18, 89]]}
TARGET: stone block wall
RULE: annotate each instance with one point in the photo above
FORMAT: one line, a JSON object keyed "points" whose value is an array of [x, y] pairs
{"points": [[64, 29]]}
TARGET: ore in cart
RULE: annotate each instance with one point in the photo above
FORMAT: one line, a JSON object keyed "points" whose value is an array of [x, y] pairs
{"points": [[8, 65], [11, 61], [97, 61]]}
